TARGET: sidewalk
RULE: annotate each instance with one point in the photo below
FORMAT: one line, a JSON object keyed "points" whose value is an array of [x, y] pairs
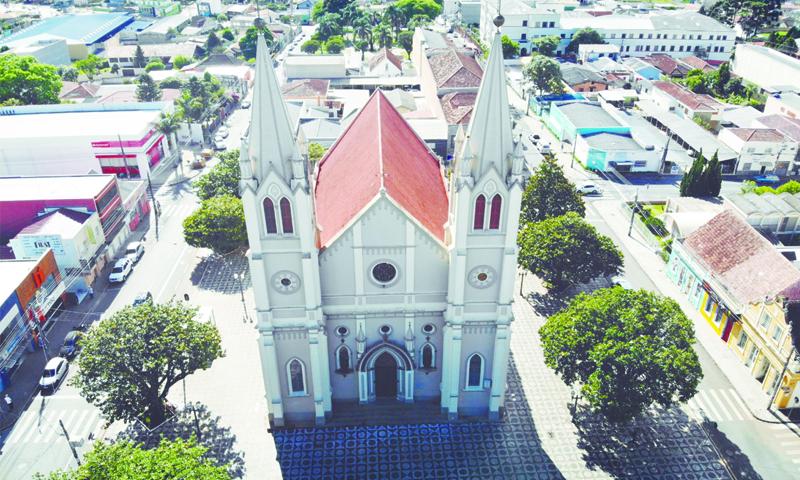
{"points": [[746, 386]]}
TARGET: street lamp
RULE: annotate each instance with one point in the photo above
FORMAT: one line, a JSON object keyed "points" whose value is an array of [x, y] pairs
{"points": [[240, 278]]}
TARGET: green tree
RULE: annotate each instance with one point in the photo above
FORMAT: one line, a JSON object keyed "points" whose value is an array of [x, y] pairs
{"points": [[180, 61], [154, 65], [131, 359], [791, 187], [427, 8], [69, 74], [223, 179], [384, 35], [693, 184], [182, 459], [549, 194], [168, 124], [334, 44], [543, 74], [91, 65], [317, 11], [139, 60], [626, 349], [25, 81], [311, 46], [330, 25], [212, 42], [228, 35], [566, 250], [751, 15], [418, 21], [147, 90], [548, 45], [584, 36], [510, 47], [247, 44], [171, 82], [362, 29], [315, 152], [406, 40], [335, 6], [712, 177], [218, 224]]}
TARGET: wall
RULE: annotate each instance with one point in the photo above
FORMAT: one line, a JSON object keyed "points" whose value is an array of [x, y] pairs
{"points": [[27, 288], [775, 105]]}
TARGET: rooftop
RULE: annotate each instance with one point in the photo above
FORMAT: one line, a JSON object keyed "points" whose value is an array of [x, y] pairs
{"points": [[63, 222], [588, 115], [757, 134], [611, 141], [306, 88], [12, 273], [453, 69], [100, 124], [741, 259], [668, 65], [385, 54], [786, 125], [458, 106], [686, 97], [698, 63], [766, 204], [187, 49], [574, 74], [86, 29], [67, 187]]}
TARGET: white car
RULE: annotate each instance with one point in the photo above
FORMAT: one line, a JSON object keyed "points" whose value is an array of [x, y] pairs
{"points": [[134, 251], [588, 189], [219, 139], [121, 270], [54, 372], [246, 104], [223, 131], [545, 149]]}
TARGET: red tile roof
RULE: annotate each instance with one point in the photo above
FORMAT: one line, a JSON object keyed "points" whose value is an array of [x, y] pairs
{"points": [[757, 134], [458, 106], [388, 55], [698, 63], [307, 88], [452, 69], [692, 100], [786, 125], [742, 260], [668, 65], [378, 153]]}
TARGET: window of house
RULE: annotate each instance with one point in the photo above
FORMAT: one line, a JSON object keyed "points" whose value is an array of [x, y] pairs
{"points": [[721, 49], [623, 35], [699, 37], [563, 35], [343, 359], [649, 35], [742, 341], [709, 304], [777, 333], [480, 212], [672, 48], [524, 23], [494, 214], [647, 48], [663, 47], [718, 316], [680, 49], [764, 321], [296, 377], [269, 216], [286, 216], [524, 36], [428, 356], [641, 35], [475, 372]]}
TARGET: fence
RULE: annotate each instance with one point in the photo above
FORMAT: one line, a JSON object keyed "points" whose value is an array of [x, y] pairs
{"points": [[659, 243]]}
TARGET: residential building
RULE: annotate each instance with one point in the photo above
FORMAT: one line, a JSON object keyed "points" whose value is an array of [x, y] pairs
{"points": [[589, 52], [778, 214], [667, 65], [761, 150], [604, 151], [790, 127], [583, 78], [384, 63], [329, 67], [28, 290], [739, 116], [164, 29], [158, 8], [745, 290], [769, 69], [642, 68], [698, 63], [677, 33], [676, 98], [786, 103], [306, 89], [683, 215], [364, 293], [79, 139], [124, 55]]}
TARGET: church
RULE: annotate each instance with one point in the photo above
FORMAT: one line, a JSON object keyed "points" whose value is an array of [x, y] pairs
{"points": [[378, 274]]}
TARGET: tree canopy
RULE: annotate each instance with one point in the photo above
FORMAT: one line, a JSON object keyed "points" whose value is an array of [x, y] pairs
{"points": [[584, 36], [510, 47], [751, 15], [334, 44], [147, 90], [543, 75], [131, 359], [566, 250], [218, 224], [627, 349], [549, 194], [704, 178], [25, 81], [223, 179], [315, 152], [411, 8], [310, 46], [247, 44], [180, 61], [139, 60], [548, 45], [91, 65], [182, 459]]}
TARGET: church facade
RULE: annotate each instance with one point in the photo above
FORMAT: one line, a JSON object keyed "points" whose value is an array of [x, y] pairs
{"points": [[378, 275]]}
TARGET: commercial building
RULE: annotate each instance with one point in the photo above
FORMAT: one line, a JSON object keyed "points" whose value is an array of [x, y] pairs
{"points": [[44, 48], [123, 55], [569, 119], [677, 34], [778, 214], [28, 291], [747, 292], [80, 139], [769, 69], [583, 78], [158, 8], [604, 151], [761, 150], [314, 66]]}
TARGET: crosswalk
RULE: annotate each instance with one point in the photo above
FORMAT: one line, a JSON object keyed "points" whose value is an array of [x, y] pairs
{"points": [[177, 211], [34, 428], [786, 440], [718, 405]]}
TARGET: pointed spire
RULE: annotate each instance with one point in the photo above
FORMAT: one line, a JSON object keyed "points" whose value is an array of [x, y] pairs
{"points": [[271, 142], [490, 138]]}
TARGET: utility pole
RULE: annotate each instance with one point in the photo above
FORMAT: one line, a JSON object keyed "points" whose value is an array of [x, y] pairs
{"points": [[778, 386], [124, 157], [633, 211], [156, 207], [71, 447]]}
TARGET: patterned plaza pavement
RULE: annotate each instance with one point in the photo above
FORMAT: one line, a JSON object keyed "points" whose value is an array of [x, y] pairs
{"points": [[543, 435]]}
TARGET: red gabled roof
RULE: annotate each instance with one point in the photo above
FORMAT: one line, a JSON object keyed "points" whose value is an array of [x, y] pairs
{"points": [[379, 150]]}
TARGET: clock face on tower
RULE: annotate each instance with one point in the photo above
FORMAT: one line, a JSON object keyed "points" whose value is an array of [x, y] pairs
{"points": [[285, 282], [482, 276]]}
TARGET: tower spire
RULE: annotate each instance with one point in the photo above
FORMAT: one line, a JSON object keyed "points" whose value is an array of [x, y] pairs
{"points": [[271, 142], [489, 138]]}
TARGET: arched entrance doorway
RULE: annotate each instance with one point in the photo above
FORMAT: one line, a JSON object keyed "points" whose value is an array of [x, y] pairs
{"points": [[385, 376]]}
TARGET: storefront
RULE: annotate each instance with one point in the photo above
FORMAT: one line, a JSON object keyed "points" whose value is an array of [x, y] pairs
{"points": [[131, 158]]}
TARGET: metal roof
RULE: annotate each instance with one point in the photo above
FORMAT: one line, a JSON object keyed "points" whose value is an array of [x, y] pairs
{"points": [[86, 29]]}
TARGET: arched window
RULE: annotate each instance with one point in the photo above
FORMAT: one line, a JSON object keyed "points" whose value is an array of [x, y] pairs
{"points": [[296, 378], [474, 372], [428, 356], [343, 359], [494, 215], [480, 212], [269, 216], [286, 216]]}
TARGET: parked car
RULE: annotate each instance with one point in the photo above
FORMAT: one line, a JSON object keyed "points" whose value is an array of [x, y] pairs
{"points": [[219, 146], [219, 139], [134, 251], [54, 373], [588, 189], [223, 132], [142, 297], [121, 270], [246, 104], [71, 344], [620, 281], [767, 179], [545, 149]]}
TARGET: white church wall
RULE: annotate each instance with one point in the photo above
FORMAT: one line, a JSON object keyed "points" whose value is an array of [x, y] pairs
{"points": [[337, 270], [344, 385], [476, 339], [426, 383], [294, 344]]}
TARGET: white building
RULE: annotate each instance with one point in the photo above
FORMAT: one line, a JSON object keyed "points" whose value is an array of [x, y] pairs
{"points": [[45, 48], [787, 104], [385, 63], [767, 68], [590, 52], [314, 66], [760, 150], [678, 34], [364, 291]]}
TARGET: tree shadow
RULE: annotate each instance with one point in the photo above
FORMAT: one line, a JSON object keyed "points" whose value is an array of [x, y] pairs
{"points": [[737, 460], [660, 442], [198, 421], [219, 273]]}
